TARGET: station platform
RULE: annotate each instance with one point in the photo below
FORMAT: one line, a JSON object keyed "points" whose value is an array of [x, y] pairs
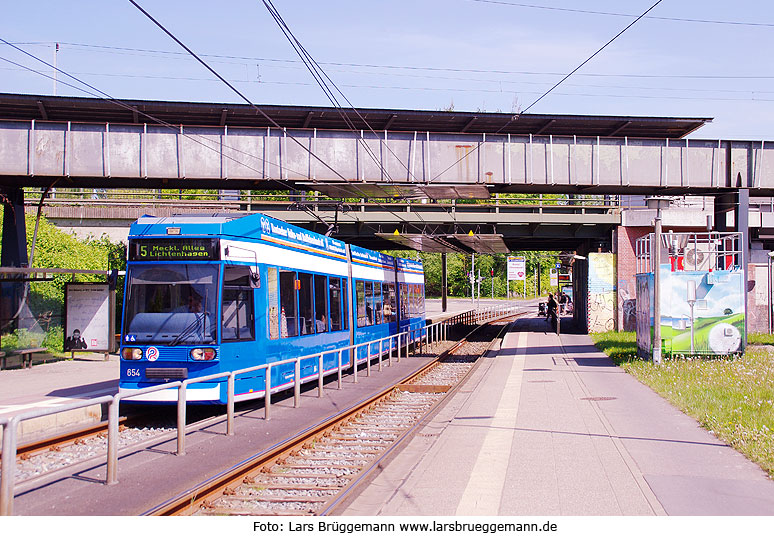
{"points": [[150, 472], [548, 425], [58, 383]]}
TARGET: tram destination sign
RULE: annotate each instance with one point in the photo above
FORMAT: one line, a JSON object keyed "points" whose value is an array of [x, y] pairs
{"points": [[173, 249]]}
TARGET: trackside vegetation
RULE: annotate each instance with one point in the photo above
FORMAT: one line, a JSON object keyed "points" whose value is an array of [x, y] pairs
{"points": [[732, 397], [57, 249]]}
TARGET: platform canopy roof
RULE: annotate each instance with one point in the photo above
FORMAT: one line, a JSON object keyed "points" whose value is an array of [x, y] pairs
{"points": [[93, 110]]}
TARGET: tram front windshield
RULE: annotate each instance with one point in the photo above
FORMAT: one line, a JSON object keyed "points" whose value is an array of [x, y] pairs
{"points": [[171, 304]]}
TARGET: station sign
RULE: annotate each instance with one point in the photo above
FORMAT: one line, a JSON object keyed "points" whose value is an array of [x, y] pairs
{"points": [[517, 268], [554, 276]]}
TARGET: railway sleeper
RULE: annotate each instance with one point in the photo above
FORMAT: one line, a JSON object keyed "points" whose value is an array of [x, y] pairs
{"points": [[386, 439], [349, 449], [276, 499], [355, 457], [243, 512], [356, 463], [377, 427], [299, 486], [312, 475]]}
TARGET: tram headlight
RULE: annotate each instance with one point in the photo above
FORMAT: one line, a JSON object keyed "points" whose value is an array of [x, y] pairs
{"points": [[131, 353], [202, 354]]}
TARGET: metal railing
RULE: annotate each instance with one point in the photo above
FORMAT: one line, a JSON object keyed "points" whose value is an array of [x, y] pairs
{"points": [[427, 335], [245, 200]]}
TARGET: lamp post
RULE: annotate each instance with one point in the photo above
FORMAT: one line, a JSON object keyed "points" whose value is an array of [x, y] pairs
{"points": [[657, 203], [472, 279], [691, 299]]}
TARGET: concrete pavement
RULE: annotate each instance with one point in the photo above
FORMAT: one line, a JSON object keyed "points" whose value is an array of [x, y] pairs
{"points": [[551, 427]]}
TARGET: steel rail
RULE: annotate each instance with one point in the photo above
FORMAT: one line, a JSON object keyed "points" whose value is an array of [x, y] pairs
{"points": [[189, 501], [360, 479], [66, 438]]}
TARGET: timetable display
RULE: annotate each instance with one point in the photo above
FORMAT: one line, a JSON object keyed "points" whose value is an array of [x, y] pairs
{"points": [[174, 249]]}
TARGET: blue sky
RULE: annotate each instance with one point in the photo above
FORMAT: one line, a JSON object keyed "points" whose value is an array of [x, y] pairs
{"points": [[489, 55]]}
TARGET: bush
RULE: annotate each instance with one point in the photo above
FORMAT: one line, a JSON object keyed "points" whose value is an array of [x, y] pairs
{"points": [[57, 249], [22, 339]]}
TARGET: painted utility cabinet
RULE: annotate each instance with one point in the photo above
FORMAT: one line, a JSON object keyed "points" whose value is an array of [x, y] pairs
{"points": [[702, 295]]}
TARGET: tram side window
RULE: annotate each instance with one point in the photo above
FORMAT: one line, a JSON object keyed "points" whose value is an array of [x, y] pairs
{"points": [[321, 303], [378, 309], [306, 303], [369, 298], [413, 300], [237, 309], [388, 295], [361, 303], [345, 304], [288, 308], [404, 301], [334, 287], [272, 300], [421, 309]]}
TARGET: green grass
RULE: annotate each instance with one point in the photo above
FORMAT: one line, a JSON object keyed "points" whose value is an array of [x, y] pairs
{"points": [[732, 397], [754, 338]]}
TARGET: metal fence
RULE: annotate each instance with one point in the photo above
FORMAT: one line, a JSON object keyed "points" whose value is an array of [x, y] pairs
{"points": [[427, 335]]}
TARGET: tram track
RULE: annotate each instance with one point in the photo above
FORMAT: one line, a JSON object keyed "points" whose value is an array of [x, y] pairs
{"points": [[42, 461], [313, 472]]}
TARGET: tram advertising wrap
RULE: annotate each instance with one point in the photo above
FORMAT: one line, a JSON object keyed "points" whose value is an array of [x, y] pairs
{"points": [[211, 295]]}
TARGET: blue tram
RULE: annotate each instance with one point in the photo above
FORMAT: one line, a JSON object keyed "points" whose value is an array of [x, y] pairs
{"points": [[206, 295]]}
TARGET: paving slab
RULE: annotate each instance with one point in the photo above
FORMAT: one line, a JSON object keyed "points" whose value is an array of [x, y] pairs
{"points": [[578, 436]]}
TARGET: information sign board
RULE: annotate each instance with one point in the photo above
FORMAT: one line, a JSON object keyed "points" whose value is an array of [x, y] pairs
{"points": [[87, 317], [517, 268]]}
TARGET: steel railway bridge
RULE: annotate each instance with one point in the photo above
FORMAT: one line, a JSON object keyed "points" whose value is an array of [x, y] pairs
{"points": [[387, 178]]}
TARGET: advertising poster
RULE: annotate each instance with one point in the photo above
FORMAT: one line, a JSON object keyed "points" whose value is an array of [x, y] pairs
{"points": [[517, 268], [87, 317], [602, 297], [644, 315], [702, 312]]}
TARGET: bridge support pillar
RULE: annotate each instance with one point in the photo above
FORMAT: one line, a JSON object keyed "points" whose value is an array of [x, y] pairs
{"points": [[444, 282], [737, 202], [13, 252]]}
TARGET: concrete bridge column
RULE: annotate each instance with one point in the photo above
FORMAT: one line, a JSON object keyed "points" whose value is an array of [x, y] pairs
{"points": [[13, 252], [732, 214]]}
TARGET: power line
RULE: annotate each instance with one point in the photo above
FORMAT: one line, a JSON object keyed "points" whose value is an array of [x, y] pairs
{"points": [[472, 90], [592, 55], [94, 91], [105, 96], [163, 123], [317, 70], [129, 50], [474, 149], [230, 86], [320, 77], [616, 14]]}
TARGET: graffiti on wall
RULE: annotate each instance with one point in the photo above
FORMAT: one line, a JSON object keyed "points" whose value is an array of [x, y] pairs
{"points": [[627, 303], [602, 292]]}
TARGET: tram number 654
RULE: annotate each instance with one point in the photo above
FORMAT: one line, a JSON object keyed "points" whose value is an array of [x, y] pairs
{"points": [[133, 372]]}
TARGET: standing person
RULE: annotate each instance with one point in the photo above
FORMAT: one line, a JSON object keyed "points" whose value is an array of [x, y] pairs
{"points": [[552, 310], [562, 302]]}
